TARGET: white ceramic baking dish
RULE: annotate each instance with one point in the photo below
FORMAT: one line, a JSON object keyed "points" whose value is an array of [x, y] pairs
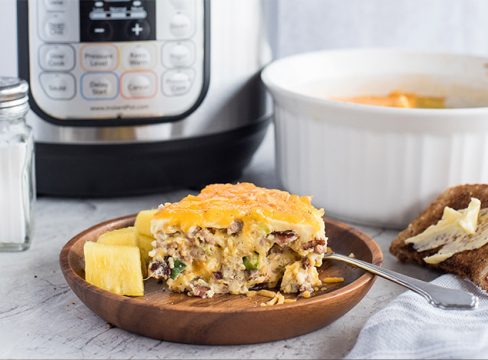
{"points": [[378, 165]]}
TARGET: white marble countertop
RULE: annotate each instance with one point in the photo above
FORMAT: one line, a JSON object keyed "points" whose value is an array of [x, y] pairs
{"points": [[41, 318]]}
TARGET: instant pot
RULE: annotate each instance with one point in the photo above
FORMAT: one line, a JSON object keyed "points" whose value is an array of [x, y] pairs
{"points": [[136, 96]]}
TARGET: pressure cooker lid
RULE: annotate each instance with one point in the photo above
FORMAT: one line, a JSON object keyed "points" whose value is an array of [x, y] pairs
{"points": [[13, 92]]}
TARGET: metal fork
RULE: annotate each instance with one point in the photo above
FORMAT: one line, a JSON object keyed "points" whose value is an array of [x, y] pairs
{"points": [[437, 296]]}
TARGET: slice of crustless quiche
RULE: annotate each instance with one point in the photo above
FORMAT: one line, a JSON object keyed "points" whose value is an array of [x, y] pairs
{"points": [[236, 238]]}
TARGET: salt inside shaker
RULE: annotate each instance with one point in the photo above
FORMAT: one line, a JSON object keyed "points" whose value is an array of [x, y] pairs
{"points": [[17, 187]]}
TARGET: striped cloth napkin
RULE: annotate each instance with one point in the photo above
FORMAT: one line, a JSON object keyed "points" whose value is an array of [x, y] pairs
{"points": [[410, 328]]}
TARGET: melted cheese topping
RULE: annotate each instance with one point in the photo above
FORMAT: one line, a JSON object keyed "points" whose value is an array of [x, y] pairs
{"points": [[218, 205], [457, 231], [399, 99]]}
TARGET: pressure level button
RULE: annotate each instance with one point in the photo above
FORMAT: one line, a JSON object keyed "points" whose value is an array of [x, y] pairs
{"points": [[99, 57]]}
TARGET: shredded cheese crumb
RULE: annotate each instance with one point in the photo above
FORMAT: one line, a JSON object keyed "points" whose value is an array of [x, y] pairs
{"points": [[267, 293], [251, 293], [272, 301], [288, 301], [306, 294], [333, 280], [351, 255], [281, 298], [277, 299]]}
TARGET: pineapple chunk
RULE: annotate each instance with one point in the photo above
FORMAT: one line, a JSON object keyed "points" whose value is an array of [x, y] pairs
{"points": [[115, 268], [145, 246], [129, 237], [125, 236], [143, 221]]}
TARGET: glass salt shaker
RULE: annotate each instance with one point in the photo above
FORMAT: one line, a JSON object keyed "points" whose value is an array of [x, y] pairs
{"points": [[17, 187]]}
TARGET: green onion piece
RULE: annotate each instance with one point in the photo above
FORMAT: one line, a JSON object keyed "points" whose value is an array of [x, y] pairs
{"points": [[251, 262], [178, 268]]}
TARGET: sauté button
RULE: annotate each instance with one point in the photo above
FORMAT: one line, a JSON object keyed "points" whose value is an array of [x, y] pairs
{"points": [[57, 57], [58, 86], [99, 86], [99, 57], [138, 85]]}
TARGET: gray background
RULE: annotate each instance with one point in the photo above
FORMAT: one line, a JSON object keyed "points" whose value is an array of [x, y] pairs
{"points": [[437, 25], [306, 25]]}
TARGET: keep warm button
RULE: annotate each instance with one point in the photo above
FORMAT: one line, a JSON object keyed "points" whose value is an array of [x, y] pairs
{"points": [[99, 86], [138, 84]]}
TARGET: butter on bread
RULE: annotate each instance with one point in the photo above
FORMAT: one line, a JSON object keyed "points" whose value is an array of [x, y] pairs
{"points": [[472, 264]]}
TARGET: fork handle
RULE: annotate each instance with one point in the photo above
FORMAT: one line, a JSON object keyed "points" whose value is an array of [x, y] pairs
{"points": [[437, 296]]}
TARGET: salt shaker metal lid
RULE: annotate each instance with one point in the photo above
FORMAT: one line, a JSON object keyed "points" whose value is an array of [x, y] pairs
{"points": [[13, 92]]}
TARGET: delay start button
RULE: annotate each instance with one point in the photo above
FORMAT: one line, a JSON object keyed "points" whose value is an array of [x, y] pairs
{"points": [[138, 85], [98, 86], [99, 57]]}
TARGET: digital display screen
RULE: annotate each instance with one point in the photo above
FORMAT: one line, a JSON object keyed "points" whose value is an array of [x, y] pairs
{"points": [[117, 20]]}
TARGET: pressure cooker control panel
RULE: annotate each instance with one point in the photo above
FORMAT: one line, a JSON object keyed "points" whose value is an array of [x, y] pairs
{"points": [[116, 62]]}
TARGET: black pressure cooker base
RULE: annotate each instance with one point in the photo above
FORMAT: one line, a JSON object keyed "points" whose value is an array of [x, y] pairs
{"points": [[105, 170]]}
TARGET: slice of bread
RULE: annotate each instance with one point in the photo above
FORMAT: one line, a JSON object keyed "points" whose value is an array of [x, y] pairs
{"points": [[472, 264]]}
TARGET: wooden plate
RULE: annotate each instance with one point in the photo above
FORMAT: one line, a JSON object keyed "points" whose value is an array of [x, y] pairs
{"points": [[224, 319]]}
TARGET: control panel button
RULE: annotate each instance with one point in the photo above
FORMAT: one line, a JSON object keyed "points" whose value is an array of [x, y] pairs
{"points": [[137, 85], [56, 28], [138, 56], [178, 53], [138, 30], [100, 30], [99, 57], [177, 82], [182, 4], [57, 57], [55, 5], [99, 86], [58, 86], [180, 25]]}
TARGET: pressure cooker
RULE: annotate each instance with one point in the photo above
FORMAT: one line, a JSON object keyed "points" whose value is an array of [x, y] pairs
{"points": [[138, 96]]}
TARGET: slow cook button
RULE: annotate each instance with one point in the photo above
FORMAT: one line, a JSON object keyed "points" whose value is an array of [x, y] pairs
{"points": [[99, 86], [180, 26], [138, 56], [58, 86], [178, 53], [99, 57], [57, 57], [177, 82], [137, 85]]}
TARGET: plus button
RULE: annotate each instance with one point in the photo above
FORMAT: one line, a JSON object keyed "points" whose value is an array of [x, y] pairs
{"points": [[137, 29]]}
